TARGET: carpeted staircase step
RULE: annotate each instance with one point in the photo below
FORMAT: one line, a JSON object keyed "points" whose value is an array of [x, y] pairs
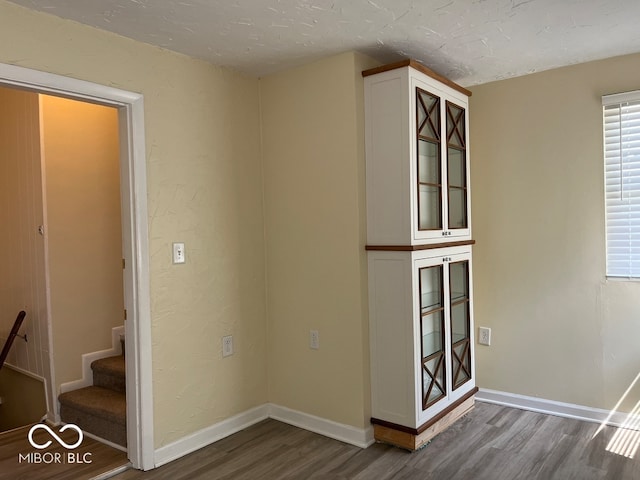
{"points": [[97, 410], [110, 373]]}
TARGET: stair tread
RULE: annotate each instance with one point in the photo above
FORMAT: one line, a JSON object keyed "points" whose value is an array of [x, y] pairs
{"points": [[98, 401], [114, 366]]}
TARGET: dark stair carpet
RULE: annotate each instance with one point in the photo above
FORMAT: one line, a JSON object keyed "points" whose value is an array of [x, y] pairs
{"points": [[110, 373], [100, 409]]}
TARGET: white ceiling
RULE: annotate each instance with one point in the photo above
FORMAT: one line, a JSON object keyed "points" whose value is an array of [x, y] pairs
{"points": [[468, 41]]}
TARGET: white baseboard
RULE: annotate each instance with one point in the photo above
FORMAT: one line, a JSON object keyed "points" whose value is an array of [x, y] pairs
{"points": [[344, 433], [209, 435], [360, 437], [88, 358], [551, 407]]}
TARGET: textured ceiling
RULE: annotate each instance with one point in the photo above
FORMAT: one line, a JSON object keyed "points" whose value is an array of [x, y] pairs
{"points": [[468, 41]]}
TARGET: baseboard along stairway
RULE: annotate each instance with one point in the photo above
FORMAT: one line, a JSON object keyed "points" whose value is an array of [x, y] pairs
{"points": [[100, 409]]}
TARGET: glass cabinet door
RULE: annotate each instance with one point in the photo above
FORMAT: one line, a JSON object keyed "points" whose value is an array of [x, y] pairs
{"points": [[432, 334], [429, 166], [456, 167], [460, 323]]}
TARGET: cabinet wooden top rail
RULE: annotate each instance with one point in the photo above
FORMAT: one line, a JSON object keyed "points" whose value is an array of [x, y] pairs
{"points": [[421, 68], [419, 247]]}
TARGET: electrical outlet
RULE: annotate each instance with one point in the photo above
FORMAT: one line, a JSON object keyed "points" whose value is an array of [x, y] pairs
{"points": [[314, 339], [227, 345], [484, 336]]}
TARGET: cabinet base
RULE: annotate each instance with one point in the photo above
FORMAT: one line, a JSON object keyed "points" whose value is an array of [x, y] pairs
{"points": [[413, 441]]}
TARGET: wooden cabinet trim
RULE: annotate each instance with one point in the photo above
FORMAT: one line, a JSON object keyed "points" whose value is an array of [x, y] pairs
{"points": [[415, 248], [435, 419], [421, 68]]}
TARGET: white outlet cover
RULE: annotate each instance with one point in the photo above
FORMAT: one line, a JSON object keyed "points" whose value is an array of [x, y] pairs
{"points": [[484, 336]]}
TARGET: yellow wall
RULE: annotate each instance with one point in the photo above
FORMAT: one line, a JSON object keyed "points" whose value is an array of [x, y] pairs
{"points": [[204, 189], [82, 161], [314, 214], [23, 399], [22, 285], [537, 207], [561, 330]]}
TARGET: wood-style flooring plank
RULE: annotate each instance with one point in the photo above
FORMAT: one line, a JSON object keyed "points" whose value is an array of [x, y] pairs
{"points": [[100, 458], [490, 443]]}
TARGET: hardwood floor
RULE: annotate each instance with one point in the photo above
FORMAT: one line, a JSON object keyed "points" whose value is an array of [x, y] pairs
{"points": [[490, 443], [90, 459]]}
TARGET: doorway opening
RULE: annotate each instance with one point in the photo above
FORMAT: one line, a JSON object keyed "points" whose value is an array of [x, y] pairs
{"points": [[132, 175]]}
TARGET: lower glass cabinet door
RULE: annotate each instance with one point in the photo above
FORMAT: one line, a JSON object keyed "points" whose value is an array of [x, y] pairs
{"points": [[460, 322], [432, 333]]}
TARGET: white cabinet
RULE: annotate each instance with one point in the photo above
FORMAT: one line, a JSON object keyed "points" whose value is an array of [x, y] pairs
{"points": [[417, 152], [419, 252], [421, 328]]}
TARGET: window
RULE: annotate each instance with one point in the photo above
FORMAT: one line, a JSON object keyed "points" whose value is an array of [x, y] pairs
{"points": [[621, 118]]}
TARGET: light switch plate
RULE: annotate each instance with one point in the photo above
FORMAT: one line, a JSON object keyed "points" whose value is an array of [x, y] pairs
{"points": [[178, 253], [314, 339], [227, 345]]}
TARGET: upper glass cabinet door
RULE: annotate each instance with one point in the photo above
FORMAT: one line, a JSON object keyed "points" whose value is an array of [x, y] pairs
{"points": [[429, 163], [456, 167], [442, 183]]}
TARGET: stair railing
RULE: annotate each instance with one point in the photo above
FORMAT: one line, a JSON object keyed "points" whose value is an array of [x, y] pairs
{"points": [[14, 333]]}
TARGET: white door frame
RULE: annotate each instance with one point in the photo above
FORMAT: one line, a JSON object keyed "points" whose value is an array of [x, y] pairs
{"points": [[133, 187]]}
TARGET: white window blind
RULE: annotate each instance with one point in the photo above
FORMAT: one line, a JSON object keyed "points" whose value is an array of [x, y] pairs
{"points": [[621, 118]]}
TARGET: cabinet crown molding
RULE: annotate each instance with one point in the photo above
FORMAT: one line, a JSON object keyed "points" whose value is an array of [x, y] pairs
{"points": [[421, 68]]}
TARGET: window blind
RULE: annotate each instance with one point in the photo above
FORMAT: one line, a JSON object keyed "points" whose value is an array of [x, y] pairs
{"points": [[621, 119]]}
